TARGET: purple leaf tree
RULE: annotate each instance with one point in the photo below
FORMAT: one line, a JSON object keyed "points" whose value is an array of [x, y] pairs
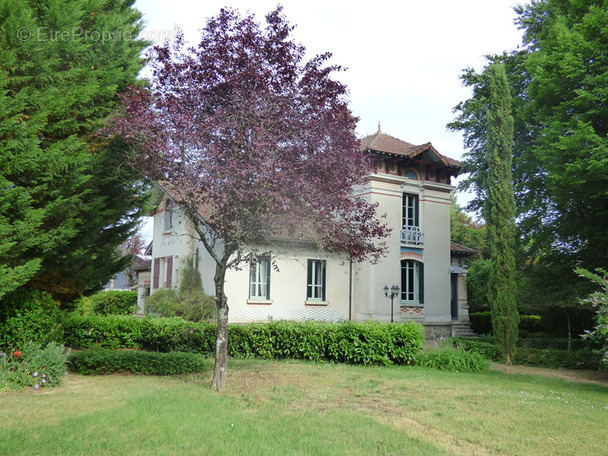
{"points": [[255, 144]]}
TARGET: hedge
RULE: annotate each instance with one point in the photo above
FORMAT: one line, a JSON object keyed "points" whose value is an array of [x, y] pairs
{"points": [[371, 343], [98, 362], [481, 323], [551, 358]]}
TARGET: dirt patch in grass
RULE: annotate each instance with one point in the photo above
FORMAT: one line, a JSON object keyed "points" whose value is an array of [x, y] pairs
{"points": [[583, 376]]}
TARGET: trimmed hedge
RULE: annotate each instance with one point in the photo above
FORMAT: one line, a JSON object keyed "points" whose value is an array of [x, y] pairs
{"points": [[99, 362], [481, 323], [371, 343]]}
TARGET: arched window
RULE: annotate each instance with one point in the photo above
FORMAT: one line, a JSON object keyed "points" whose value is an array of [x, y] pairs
{"points": [[412, 280]]}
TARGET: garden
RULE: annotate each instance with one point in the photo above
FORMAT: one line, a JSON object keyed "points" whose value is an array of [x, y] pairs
{"points": [[140, 385]]}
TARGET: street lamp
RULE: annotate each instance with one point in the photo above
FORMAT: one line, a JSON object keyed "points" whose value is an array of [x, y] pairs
{"points": [[394, 291]]}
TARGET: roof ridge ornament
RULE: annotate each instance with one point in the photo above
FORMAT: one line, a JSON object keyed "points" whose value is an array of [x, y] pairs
{"points": [[379, 129]]}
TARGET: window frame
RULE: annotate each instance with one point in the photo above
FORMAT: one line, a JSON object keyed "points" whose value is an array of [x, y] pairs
{"points": [[412, 282], [316, 280], [410, 215], [259, 277], [168, 218]]}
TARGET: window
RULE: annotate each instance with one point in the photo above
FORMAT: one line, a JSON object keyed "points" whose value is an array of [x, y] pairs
{"points": [[412, 281], [162, 274], [259, 279], [315, 289], [410, 210], [169, 216]]}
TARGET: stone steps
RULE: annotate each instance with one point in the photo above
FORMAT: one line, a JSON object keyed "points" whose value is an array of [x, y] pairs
{"points": [[462, 329]]}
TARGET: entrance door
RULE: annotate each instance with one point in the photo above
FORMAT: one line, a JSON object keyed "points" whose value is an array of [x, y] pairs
{"points": [[454, 298]]}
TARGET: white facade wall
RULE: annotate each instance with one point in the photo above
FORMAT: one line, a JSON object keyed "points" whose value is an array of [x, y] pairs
{"points": [[356, 292]]}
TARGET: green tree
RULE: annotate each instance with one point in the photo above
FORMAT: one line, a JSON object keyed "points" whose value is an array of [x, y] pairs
{"points": [[598, 300], [464, 230], [558, 83], [500, 213], [66, 199]]}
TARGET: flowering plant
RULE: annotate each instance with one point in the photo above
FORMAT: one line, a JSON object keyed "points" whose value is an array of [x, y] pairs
{"points": [[34, 366]]}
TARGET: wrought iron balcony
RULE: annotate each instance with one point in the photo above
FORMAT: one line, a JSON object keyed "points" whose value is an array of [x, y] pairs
{"points": [[412, 235]]}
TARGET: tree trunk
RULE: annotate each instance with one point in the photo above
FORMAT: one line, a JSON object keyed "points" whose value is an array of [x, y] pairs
{"points": [[221, 344]]}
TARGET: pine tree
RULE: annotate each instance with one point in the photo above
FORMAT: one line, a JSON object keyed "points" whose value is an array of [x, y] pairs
{"points": [[66, 199], [500, 213]]}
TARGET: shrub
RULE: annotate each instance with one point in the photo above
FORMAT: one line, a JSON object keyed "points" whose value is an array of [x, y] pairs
{"points": [[558, 359], [355, 343], [530, 324], [599, 300], [190, 302], [112, 302], [488, 350], [481, 322], [28, 315], [99, 362], [110, 331], [34, 366], [453, 359]]}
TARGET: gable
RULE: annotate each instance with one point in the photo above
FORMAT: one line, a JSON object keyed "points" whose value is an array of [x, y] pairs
{"points": [[398, 157]]}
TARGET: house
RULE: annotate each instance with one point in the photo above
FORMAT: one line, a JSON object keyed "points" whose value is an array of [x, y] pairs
{"points": [[412, 185]]}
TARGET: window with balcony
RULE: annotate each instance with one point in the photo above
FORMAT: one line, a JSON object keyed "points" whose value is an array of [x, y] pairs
{"points": [[410, 232]]}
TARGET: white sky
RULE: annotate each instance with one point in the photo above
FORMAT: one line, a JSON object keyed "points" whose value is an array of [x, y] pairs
{"points": [[403, 57]]}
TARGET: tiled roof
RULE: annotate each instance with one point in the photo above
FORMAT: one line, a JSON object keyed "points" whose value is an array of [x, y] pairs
{"points": [[139, 264], [386, 144], [457, 248]]}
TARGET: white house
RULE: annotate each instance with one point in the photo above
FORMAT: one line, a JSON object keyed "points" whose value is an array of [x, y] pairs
{"points": [[411, 184]]}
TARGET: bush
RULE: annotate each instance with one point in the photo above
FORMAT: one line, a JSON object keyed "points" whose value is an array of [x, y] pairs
{"points": [[190, 302], [530, 324], [190, 306], [481, 322], [28, 316], [33, 366], [355, 343], [558, 359], [111, 331], [100, 362], [453, 359], [112, 302], [488, 350]]}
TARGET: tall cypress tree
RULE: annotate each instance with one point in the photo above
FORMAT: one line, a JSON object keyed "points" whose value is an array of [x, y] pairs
{"points": [[66, 199], [500, 212]]}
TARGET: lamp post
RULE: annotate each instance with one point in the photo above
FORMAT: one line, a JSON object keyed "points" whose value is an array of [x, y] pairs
{"points": [[394, 291]]}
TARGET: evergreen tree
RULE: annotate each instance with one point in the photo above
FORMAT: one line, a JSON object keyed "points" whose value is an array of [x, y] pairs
{"points": [[558, 82], [500, 212], [66, 200]]}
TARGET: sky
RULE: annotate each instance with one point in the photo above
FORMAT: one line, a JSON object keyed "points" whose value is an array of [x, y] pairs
{"points": [[403, 58]]}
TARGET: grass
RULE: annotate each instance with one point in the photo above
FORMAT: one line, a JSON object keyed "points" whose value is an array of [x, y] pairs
{"points": [[296, 408]]}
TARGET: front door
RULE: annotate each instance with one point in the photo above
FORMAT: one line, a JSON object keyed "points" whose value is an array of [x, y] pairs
{"points": [[454, 296]]}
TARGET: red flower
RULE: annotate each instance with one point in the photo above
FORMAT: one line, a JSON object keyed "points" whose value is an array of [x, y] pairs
{"points": [[17, 354]]}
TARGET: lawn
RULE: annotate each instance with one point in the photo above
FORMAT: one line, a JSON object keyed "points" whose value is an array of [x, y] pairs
{"points": [[297, 408]]}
